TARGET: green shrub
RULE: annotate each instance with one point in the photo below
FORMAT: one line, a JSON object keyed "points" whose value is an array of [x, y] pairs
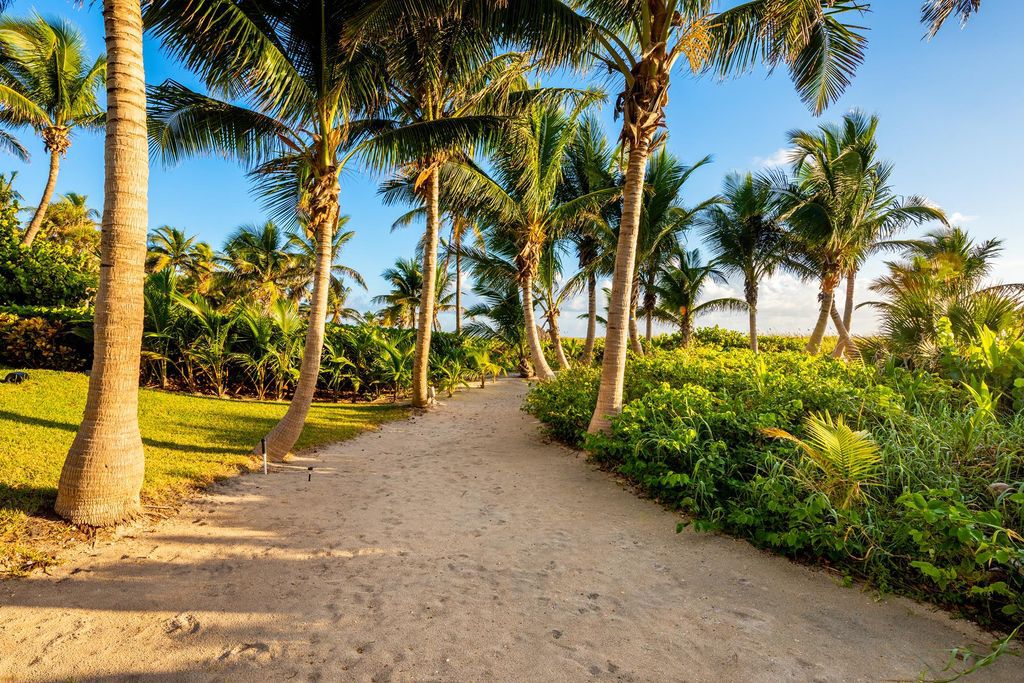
{"points": [[44, 274], [692, 434], [39, 343]]}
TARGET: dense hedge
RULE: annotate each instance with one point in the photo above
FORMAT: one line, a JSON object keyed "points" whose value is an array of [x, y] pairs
{"points": [[44, 274], [691, 434]]}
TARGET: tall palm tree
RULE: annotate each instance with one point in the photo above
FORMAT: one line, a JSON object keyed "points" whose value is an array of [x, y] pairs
{"points": [[590, 166], [519, 201], [663, 219], [498, 316], [47, 83], [746, 236], [450, 92], [295, 79], [642, 40], [102, 475], [679, 290]]}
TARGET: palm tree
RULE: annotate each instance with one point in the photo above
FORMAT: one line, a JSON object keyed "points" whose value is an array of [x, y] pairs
{"points": [[589, 166], [259, 263], [520, 204], [401, 303], [943, 275], [554, 290], [934, 13], [102, 475], [450, 92], [170, 249], [302, 246], [747, 236], [641, 41], [296, 79], [663, 219], [48, 84], [841, 209], [498, 316], [71, 222], [680, 287]]}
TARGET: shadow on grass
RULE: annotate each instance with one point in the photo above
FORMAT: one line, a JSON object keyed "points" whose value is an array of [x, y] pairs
{"points": [[32, 500]]}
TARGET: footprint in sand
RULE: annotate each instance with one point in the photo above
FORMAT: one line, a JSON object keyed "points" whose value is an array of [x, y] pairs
{"points": [[259, 652], [184, 624]]}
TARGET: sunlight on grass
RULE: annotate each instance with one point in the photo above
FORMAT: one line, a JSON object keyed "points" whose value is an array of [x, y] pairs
{"points": [[190, 441]]}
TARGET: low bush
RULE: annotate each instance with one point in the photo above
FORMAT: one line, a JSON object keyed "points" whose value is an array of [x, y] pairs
{"points": [[44, 274], [937, 513]]}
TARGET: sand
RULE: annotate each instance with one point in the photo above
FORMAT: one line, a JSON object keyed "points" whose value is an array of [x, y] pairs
{"points": [[455, 546]]}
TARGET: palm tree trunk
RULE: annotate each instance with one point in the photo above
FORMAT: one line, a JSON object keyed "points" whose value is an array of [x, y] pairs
{"points": [[751, 292], [613, 366], [540, 364], [458, 282], [851, 283], [421, 356], [649, 302], [102, 475], [44, 203], [845, 346], [588, 347], [556, 341], [634, 332], [282, 438], [814, 343]]}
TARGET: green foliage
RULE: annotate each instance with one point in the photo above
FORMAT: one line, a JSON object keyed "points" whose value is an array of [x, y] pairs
{"points": [[694, 433], [45, 274], [38, 343]]}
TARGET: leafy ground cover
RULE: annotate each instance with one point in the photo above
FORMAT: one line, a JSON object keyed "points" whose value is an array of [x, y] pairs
{"points": [[190, 441], [901, 478]]}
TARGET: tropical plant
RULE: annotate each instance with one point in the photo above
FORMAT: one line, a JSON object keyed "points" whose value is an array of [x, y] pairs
{"points": [[498, 317], [70, 221], [519, 201], [481, 363], [452, 374], [447, 90], [679, 290], [48, 84], [210, 349], [396, 365], [747, 237], [169, 248], [841, 209], [642, 40], [941, 287], [844, 462], [402, 302], [296, 80], [102, 475], [302, 246], [259, 264]]}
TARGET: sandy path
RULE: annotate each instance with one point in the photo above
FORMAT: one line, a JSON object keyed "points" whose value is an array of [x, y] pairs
{"points": [[456, 546]]}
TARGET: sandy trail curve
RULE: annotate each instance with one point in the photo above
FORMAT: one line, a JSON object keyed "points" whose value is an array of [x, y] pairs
{"points": [[455, 546]]}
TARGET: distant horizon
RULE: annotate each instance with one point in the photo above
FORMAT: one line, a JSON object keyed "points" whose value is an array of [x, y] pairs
{"points": [[965, 169]]}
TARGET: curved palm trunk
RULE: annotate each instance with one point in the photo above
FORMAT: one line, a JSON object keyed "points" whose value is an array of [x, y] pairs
{"points": [[687, 329], [751, 292], [421, 356], [102, 475], [814, 343], [851, 283], [588, 347], [281, 439], [613, 366], [44, 203], [540, 364], [845, 346], [556, 341], [634, 331]]}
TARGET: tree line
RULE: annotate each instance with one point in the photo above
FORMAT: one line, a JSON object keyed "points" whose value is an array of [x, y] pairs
{"points": [[409, 86]]}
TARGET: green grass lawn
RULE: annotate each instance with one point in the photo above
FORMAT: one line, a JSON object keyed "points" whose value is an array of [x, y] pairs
{"points": [[190, 441]]}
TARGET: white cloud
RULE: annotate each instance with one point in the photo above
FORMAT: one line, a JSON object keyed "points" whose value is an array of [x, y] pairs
{"points": [[957, 218], [779, 158]]}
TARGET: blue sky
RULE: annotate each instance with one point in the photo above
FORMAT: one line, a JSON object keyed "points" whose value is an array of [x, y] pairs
{"points": [[951, 112]]}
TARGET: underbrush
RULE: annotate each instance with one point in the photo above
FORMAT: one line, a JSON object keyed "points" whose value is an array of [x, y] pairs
{"points": [[910, 484]]}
